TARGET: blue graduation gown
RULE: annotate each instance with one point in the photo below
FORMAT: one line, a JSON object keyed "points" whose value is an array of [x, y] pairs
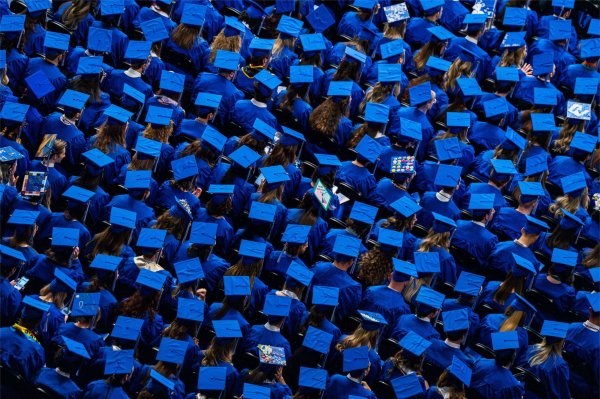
{"points": [[145, 214], [167, 193], [491, 324], [509, 221], [543, 30], [326, 273], [339, 386], [59, 385], [113, 84], [198, 54], [35, 42], [72, 135], [583, 344], [92, 341], [280, 63], [217, 84], [483, 188], [486, 135], [362, 180], [54, 75], [259, 334], [224, 232], [524, 91], [413, 114], [416, 32], [16, 64], [501, 258], [482, 59], [43, 269], [245, 112], [213, 20], [146, 14], [101, 390], [574, 71], [554, 375], [410, 322], [390, 193], [475, 239], [562, 166], [431, 203], [441, 354], [20, 353], [495, 382], [231, 314], [214, 267], [386, 301], [279, 261], [563, 296], [316, 233], [10, 302]]}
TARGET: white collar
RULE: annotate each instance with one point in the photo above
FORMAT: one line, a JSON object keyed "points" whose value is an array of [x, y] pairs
{"points": [[452, 344], [66, 120], [59, 372], [591, 326], [272, 328], [425, 318], [470, 39], [442, 197], [132, 73], [289, 293], [478, 223], [258, 103], [353, 379], [519, 243], [159, 11], [153, 54]]}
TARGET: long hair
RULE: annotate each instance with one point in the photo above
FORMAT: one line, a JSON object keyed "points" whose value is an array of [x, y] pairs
{"points": [[429, 49], [326, 117], [281, 43], [374, 267], [58, 298], [77, 12], [176, 330], [457, 70], [222, 42], [109, 136], [510, 284], [216, 354], [399, 224], [513, 58], [394, 32], [360, 337], [174, 225], [433, 239], [269, 196], [185, 36], [161, 134], [560, 238], [241, 269], [447, 381], [281, 155], [140, 164], [377, 95], [87, 84], [347, 71], [543, 351], [515, 319], [592, 259], [108, 242], [198, 150], [410, 362], [563, 143], [138, 306], [570, 203]]}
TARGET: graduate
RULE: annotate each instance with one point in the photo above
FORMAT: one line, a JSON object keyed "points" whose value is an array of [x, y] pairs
{"points": [[428, 302], [118, 368], [356, 363], [11, 298], [417, 33], [509, 221], [448, 178], [453, 381]]}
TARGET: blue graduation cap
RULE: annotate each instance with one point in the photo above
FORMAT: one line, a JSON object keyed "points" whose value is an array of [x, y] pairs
{"points": [[410, 130], [355, 359], [171, 350], [65, 237], [513, 140], [503, 168], [420, 94], [23, 217], [325, 296], [227, 60], [392, 49], [62, 282], [507, 74], [430, 298], [10, 257], [320, 18], [9, 154], [407, 386], [127, 328], [363, 213], [14, 112], [290, 137], [227, 328], [440, 34], [193, 14], [521, 304], [535, 164], [469, 284], [138, 50], [262, 211], [233, 27], [182, 209], [447, 149], [312, 378], [427, 262], [505, 340], [365, 4], [437, 66], [371, 321], [456, 320], [594, 27], [496, 108], [147, 148], [522, 267], [34, 6], [346, 247], [431, 7], [289, 27], [414, 343], [442, 224], [544, 96], [530, 191], [274, 176], [573, 184], [403, 270], [594, 300], [159, 116], [327, 163], [213, 138], [85, 304], [244, 156], [134, 94], [296, 234], [583, 142], [118, 116], [136, 179], [261, 47], [267, 79], [312, 43], [189, 270], [236, 285], [74, 100], [542, 64], [396, 13], [586, 86], [12, 23], [559, 29], [356, 55], [112, 7], [119, 361], [33, 307], [570, 221], [252, 391], [389, 73], [172, 81], [469, 87], [460, 370], [513, 40], [212, 378], [447, 175], [252, 250], [203, 233], [56, 41], [190, 309], [78, 194], [564, 257], [535, 226], [340, 88], [474, 21], [154, 30], [99, 40], [298, 273], [262, 130], [106, 262], [554, 331], [276, 305], [369, 149], [184, 167], [74, 347], [390, 238], [210, 101], [158, 383], [151, 238], [568, 4], [301, 74], [154, 281], [220, 192], [514, 16]]}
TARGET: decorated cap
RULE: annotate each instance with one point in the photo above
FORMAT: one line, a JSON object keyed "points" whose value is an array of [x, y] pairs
{"points": [[85, 304], [371, 321]]}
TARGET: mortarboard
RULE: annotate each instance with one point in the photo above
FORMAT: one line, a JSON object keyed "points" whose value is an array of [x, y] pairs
{"points": [[12, 23], [74, 100], [563, 3], [505, 340], [481, 202], [208, 100], [261, 128], [9, 154], [312, 43], [346, 247], [583, 142], [182, 210], [106, 262], [325, 296], [236, 285], [118, 361], [535, 164], [369, 149], [420, 94], [507, 74], [56, 41], [355, 359], [276, 305], [301, 74], [522, 267], [535, 226], [220, 192], [118, 115], [193, 14], [78, 194], [387, 73], [252, 391], [594, 27], [521, 304], [543, 64], [190, 309], [171, 350], [469, 284], [559, 29], [62, 282], [33, 308], [37, 5], [159, 116], [513, 40], [407, 386], [289, 27], [227, 60], [184, 168], [244, 156], [427, 262], [437, 66], [354, 54], [340, 88], [274, 176], [365, 4], [595, 274], [147, 148], [594, 300], [440, 34], [127, 328], [312, 378], [136, 95], [469, 87], [267, 79], [573, 184], [65, 237], [188, 270], [271, 355], [291, 137], [172, 81], [154, 30], [99, 40], [213, 138], [13, 112], [233, 27], [136, 179], [456, 320], [447, 175], [429, 298], [579, 111], [363, 213], [390, 238], [474, 21], [530, 191], [447, 149], [514, 16], [442, 224], [261, 47], [252, 250], [227, 328], [414, 343], [391, 50], [570, 221], [503, 168], [212, 378], [74, 347], [10, 257], [554, 331], [327, 163], [203, 233], [371, 321], [112, 7], [544, 96], [496, 108], [431, 7], [151, 238], [162, 381], [298, 273], [586, 86], [23, 217], [296, 234], [138, 50], [403, 270], [460, 370], [513, 141], [317, 340], [155, 281], [564, 258], [85, 304], [320, 18]]}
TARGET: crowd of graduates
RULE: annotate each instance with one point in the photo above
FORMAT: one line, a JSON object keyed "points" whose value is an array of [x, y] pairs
{"points": [[299, 199]]}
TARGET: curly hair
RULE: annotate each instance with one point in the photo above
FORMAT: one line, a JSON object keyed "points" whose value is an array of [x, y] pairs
{"points": [[570, 203], [222, 42], [457, 69], [161, 134], [326, 117], [513, 58], [374, 267]]}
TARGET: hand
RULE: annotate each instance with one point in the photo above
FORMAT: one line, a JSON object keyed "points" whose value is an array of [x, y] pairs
{"points": [[527, 69], [13, 282], [365, 385], [279, 375], [201, 292], [76, 253]]}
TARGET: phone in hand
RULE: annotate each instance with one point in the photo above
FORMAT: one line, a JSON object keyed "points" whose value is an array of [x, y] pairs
{"points": [[21, 283]]}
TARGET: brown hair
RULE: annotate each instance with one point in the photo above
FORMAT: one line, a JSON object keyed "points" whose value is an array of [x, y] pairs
{"points": [[326, 117], [138, 306], [514, 319], [185, 36], [172, 224], [374, 267], [457, 70], [58, 298], [77, 12], [281, 43], [222, 42], [161, 133], [360, 337], [592, 259], [108, 242], [108, 136], [454, 391], [563, 143], [281, 155], [215, 353], [510, 284], [569, 203], [433, 239], [430, 48], [513, 58]]}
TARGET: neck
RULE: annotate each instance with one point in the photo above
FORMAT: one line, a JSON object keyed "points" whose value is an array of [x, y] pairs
{"points": [[525, 210], [82, 324], [341, 266], [360, 165], [50, 61], [526, 239], [397, 286]]}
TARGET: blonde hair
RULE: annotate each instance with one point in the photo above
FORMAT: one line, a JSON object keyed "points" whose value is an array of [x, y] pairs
{"points": [[563, 143], [360, 337], [457, 69], [430, 48], [433, 239], [514, 319], [394, 32], [185, 36], [161, 134], [222, 42], [593, 258], [543, 351], [414, 286], [569, 203], [58, 298], [281, 43], [76, 12], [513, 58]]}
